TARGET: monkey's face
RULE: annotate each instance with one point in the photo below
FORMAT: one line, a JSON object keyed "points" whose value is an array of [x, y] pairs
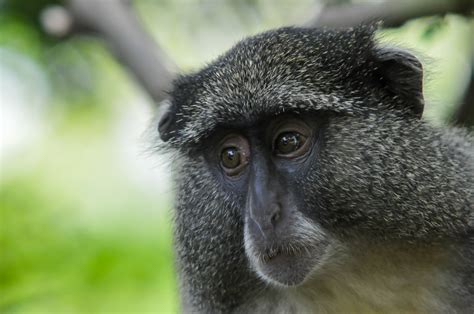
{"points": [[279, 136], [267, 166]]}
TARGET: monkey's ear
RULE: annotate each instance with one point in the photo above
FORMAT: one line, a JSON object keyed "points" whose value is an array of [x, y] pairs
{"points": [[402, 74], [166, 117]]}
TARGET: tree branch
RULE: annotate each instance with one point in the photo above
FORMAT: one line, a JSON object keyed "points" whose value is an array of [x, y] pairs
{"points": [[117, 24], [392, 13]]}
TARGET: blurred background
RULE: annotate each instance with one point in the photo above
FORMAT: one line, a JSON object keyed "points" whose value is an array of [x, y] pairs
{"points": [[86, 204]]}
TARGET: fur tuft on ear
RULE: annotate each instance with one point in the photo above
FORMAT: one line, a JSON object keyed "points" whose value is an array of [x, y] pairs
{"points": [[402, 74]]}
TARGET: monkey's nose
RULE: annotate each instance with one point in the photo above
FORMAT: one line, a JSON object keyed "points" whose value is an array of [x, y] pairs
{"points": [[266, 220]]}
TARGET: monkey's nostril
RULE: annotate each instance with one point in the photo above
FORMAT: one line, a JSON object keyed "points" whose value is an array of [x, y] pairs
{"points": [[275, 217]]}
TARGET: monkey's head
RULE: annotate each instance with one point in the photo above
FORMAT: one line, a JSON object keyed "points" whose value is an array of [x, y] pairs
{"points": [[278, 141]]}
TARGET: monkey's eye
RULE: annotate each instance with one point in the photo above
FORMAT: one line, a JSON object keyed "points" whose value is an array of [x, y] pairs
{"points": [[289, 142], [230, 157], [291, 139], [234, 154]]}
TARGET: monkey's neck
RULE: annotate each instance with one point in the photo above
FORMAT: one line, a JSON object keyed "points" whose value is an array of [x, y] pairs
{"points": [[376, 278], [379, 279]]}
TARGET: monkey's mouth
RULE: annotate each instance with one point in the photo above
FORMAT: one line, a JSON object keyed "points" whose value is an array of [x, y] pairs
{"points": [[273, 252], [285, 265], [287, 259]]}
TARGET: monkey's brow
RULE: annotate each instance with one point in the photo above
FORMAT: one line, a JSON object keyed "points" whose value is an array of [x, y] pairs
{"points": [[247, 113], [212, 110]]}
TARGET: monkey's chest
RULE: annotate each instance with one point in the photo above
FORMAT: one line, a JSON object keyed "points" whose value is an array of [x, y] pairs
{"points": [[371, 293], [413, 291]]}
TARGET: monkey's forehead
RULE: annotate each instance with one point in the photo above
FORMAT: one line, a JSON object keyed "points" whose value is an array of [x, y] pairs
{"points": [[285, 70]]}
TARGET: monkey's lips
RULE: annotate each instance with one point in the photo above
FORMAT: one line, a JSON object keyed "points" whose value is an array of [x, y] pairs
{"points": [[287, 265]]}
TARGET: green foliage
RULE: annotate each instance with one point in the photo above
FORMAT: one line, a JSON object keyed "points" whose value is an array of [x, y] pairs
{"points": [[77, 237]]}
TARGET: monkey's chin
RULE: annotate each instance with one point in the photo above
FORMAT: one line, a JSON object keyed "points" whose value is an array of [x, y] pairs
{"points": [[286, 270]]}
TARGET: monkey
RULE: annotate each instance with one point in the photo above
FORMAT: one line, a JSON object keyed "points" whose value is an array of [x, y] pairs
{"points": [[307, 181]]}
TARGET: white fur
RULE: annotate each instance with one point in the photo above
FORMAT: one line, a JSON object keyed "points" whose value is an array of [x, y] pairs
{"points": [[365, 280]]}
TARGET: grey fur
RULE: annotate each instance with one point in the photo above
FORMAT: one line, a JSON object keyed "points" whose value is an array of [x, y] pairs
{"points": [[383, 179]]}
